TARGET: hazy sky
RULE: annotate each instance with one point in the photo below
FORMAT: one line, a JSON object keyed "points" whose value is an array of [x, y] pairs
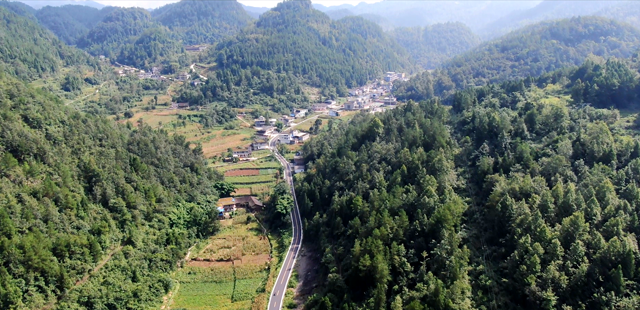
{"points": [[262, 3]]}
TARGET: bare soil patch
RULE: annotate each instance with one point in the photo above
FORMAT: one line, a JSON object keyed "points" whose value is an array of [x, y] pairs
{"points": [[206, 264], [242, 173], [307, 276], [254, 259]]}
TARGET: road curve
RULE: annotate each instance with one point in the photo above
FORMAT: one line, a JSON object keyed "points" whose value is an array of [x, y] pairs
{"points": [[280, 287]]}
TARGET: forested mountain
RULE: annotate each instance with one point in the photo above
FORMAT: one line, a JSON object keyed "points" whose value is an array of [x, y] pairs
{"points": [[153, 46], [628, 12], [475, 14], [433, 45], [253, 11], [114, 30], [295, 38], [198, 22], [77, 187], [546, 10], [30, 51], [19, 8], [69, 22], [39, 4], [513, 199], [532, 51]]}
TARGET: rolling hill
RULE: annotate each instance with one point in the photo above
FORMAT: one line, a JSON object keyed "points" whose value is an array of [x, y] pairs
{"points": [[295, 38], [198, 22], [29, 51], [433, 45], [531, 51], [117, 28], [69, 22]]}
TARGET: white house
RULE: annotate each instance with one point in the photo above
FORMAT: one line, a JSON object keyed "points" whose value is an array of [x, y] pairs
{"points": [[272, 121], [300, 113], [260, 121], [242, 153], [285, 138], [389, 101]]}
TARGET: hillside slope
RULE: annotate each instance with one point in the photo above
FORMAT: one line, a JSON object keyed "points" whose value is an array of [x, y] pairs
{"points": [[29, 51], [115, 29], [532, 51], [198, 22], [295, 38], [431, 46], [76, 187], [69, 22], [514, 198]]}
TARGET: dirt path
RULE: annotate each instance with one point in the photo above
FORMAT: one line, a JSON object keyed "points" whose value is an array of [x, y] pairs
{"points": [[91, 94], [85, 278], [97, 268], [240, 118]]}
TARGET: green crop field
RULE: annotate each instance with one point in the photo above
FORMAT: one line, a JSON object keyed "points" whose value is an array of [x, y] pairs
{"points": [[264, 178], [206, 284]]}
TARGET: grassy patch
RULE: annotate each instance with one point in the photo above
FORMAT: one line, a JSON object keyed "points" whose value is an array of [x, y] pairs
{"points": [[230, 272], [265, 178]]}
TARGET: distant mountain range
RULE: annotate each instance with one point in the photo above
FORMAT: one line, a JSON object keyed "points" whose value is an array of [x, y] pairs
{"points": [[38, 4]]}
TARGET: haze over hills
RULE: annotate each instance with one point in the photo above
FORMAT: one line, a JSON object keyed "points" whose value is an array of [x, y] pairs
{"points": [[546, 10], [70, 22], [475, 14], [433, 45], [532, 51]]}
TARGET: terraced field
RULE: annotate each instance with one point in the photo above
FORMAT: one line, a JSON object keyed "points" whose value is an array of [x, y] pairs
{"points": [[230, 273]]}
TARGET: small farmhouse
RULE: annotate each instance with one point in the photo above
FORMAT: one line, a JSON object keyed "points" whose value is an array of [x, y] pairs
{"points": [[246, 153]]}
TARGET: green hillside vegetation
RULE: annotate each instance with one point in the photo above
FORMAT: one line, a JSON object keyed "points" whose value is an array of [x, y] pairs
{"points": [[628, 12], [19, 8], [198, 22], [153, 46], [76, 188], [532, 51], [295, 38], [30, 51], [69, 22], [114, 30], [433, 45], [513, 199], [545, 10], [243, 88]]}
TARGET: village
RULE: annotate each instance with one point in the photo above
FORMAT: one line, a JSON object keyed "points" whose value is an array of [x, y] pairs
{"points": [[247, 163]]}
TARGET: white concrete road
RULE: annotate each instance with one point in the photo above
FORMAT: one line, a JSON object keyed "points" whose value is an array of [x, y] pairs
{"points": [[280, 287]]}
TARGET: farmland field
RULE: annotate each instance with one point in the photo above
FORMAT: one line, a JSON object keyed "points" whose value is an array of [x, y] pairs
{"points": [[230, 272], [264, 178]]}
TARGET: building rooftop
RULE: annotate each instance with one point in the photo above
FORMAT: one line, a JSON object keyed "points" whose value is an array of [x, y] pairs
{"points": [[226, 201]]}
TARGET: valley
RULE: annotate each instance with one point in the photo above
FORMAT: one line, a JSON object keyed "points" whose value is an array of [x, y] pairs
{"points": [[434, 155]]}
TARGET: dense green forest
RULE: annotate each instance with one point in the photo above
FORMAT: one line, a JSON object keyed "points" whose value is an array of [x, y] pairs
{"points": [[239, 88], [76, 187], [153, 46], [114, 30], [517, 197], [70, 22], [200, 22], [295, 38], [19, 8], [532, 51], [30, 52], [433, 45]]}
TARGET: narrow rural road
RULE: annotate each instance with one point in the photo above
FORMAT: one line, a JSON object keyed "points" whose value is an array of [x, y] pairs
{"points": [[280, 287]]}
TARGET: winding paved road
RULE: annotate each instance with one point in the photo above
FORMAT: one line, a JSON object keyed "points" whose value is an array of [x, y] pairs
{"points": [[280, 287]]}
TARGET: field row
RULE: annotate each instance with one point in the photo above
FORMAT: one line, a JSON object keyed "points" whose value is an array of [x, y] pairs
{"points": [[254, 179]]}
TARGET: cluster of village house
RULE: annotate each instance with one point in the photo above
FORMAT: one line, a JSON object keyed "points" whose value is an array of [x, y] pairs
{"points": [[231, 204]]}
